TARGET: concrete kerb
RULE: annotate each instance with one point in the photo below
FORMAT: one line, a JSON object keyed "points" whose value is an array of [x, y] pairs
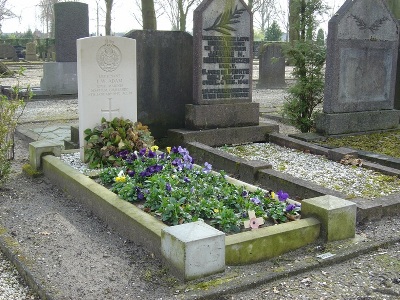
{"points": [[231, 286], [25, 266], [129, 220]]}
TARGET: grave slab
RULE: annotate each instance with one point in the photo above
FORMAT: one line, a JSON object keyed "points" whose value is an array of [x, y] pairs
{"points": [[193, 250], [338, 216]]}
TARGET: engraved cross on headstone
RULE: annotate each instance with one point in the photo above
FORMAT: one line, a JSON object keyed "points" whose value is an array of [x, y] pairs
{"points": [[110, 113]]}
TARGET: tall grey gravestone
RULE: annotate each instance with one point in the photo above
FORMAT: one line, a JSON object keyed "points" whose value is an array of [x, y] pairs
{"points": [[362, 50], [222, 77], [71, 23], [272, 66]]}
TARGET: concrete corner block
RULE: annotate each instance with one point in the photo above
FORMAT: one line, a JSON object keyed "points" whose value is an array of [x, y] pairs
{"points": [[337, 216], [39, 148], [193, 250], [338, 154]]}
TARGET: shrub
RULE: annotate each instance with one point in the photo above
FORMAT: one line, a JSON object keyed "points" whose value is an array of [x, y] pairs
{"points": [[308, 91], [11, 108], [112, 137]]}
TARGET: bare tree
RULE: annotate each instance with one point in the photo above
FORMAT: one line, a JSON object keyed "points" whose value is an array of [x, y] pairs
{"points": [[47, 15], [5, 13], [262, 11], [109, 6], [177, 12], [157, 10]]}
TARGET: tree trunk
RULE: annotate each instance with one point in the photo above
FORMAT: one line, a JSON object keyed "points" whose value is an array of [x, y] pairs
{"points": [[109, 4], [182, 16], [149, 15]]}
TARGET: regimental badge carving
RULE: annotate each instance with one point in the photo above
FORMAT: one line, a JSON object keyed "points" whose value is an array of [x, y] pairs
{"points": [[363, 26], [108, 56], [224, 21]]}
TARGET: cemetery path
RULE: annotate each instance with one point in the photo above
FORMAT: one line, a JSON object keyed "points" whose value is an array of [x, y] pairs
{"points": [[74, 255]]}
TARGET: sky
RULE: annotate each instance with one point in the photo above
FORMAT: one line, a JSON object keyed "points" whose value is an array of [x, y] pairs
{"points": [[122, 16]]}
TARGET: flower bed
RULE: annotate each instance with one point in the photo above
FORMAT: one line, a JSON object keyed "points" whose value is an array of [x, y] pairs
{"points": [[171, 187]]}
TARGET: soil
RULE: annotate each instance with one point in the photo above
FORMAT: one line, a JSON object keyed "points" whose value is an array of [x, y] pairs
{"points": [[80, 257]]}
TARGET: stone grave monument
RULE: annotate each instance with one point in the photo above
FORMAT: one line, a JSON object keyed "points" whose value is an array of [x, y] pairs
{"points": [[31, 51], [221, 110], [107, 87], [165, 78], [71, 23], [272, 67], [362, 50], [222, 77], [394, 6], [7, 51]]}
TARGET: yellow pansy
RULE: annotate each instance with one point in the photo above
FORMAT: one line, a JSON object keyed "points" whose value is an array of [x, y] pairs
{"points": [[154, 148], [120, 179], [168, 149]]}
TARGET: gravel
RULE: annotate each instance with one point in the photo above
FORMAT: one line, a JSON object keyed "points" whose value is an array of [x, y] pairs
{"points": [[11, 285], [351, 180]]}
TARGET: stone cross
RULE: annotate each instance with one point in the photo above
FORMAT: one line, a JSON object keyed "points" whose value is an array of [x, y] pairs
{"points": [[110, 113]]}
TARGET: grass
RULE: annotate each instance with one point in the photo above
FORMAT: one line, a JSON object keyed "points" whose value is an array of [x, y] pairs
{"points": [[387, 143]]}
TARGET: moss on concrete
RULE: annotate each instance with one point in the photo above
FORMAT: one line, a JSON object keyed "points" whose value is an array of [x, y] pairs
{"points": [[387, 143], [31, 172]]}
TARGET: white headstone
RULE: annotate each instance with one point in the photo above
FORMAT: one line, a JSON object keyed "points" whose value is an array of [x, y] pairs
{"points": [[106, 68]]}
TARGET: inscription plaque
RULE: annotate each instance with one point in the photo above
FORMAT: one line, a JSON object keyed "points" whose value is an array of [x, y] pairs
{"points": [[223, 52]]}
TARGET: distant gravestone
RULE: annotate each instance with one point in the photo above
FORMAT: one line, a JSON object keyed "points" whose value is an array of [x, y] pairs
{"points": [[106, 81], [222, 77], [8, 52], [360, 69], [394, 6], [165, 78], [271, 67], [71, 23], [30, 54]]}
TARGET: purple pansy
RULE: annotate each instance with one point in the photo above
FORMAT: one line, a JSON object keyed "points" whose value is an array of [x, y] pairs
{"points": [[255, 200], [151, 154], [282, 196], [290, 207], [207, 167], [142, 152]]}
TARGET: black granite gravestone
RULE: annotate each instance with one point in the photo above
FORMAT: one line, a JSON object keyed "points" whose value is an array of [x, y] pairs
{"points": [[164, 78], [71, 23]]}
